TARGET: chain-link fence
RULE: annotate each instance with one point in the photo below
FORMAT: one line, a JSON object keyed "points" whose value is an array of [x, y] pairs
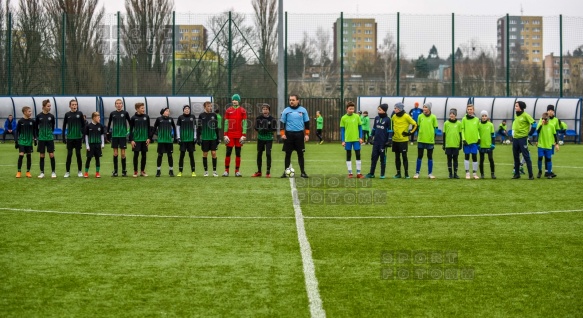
{"points": [[339, 56]]}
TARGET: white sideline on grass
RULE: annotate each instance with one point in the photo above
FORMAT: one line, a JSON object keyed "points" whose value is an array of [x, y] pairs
{"points": [[371, 217], [316, 308]]}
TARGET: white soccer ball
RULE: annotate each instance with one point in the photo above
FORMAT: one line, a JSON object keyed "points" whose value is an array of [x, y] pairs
{"points": [[290, 172], [507, 141], [561, 142]]}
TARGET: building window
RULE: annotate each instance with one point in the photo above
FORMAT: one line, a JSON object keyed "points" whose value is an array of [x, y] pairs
{"points": [[344, 40], [536, 59], [512, 29], [536, 44], [353, 39], [535, 29], [413, 87], [512, 21], [513, 37], [371, 88], [367, 39], [367, 31], [536, 22], [535, 51], [536, 37], [556, 72], [368, 47], [196, 31], [368, 25], [345, 24], [566, 81], [345, 32]]}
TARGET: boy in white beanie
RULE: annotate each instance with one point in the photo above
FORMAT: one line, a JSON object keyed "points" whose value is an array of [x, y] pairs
{"points": [[486, 130]]}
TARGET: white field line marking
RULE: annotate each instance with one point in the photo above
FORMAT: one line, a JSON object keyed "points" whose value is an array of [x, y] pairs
{"points": [[289, 217], [442, 216], [316, 308], [147, 216]]}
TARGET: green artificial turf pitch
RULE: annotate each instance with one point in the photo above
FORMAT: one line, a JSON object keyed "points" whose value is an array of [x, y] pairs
{"points": [[215, 247]]}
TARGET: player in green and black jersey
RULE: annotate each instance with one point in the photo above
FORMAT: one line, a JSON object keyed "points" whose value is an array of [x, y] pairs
{"points": [[208, 136], [140, 137], [94, 142], [119, 119], [186, 134], [265, 125], [165, 129], [73, 127], [45, 123], [25, 136]]}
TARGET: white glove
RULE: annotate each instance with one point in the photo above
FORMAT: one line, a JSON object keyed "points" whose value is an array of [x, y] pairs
{"points": [[242, 140], [226, 139]]}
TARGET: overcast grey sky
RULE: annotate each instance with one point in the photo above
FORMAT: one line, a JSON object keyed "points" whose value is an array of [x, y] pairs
{"points": [[423, 22], [490, 7]]}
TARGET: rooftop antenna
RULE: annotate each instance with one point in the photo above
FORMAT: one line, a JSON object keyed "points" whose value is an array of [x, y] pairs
{"points": [[521, 10]]}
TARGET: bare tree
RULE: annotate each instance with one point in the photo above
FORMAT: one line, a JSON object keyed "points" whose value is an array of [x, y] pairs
{"points": [[29, 44], [4, 10], [147, 36], [74, 27], [388, 59], [240, 51], [266, 26], [322, 45]]}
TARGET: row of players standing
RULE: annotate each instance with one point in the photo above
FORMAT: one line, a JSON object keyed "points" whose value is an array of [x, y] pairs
{"points": [[475, 135], [187, 131]]}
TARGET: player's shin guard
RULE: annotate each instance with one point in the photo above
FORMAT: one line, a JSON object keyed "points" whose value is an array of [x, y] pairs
{"points": [[97, 163], [170, 161], [115, 164], [449, 164], [42, 164], [20, 157], [68, 161], [191, 155], [418, 166], [214, 160], [430, 166], [79, 160], [123, 164], [540, 164], [549, 164], [28, 161], [301, 161], [53, 164], [491, 159], [287, 160], [467, 164], [405, 164], [136, 155], [259, 160], [159, 161], [237, 158], [205, 163], [181, 161], [237, 163], [268, 161], [143, 163]]}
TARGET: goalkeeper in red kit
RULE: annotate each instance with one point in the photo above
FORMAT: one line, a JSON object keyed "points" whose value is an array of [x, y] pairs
{"points": [[234, 136]]}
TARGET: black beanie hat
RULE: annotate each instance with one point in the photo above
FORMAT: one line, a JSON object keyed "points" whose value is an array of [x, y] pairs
{"points": [[185, 107], [163, 110], [521, 104], [551, 107], [384, 107]]}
